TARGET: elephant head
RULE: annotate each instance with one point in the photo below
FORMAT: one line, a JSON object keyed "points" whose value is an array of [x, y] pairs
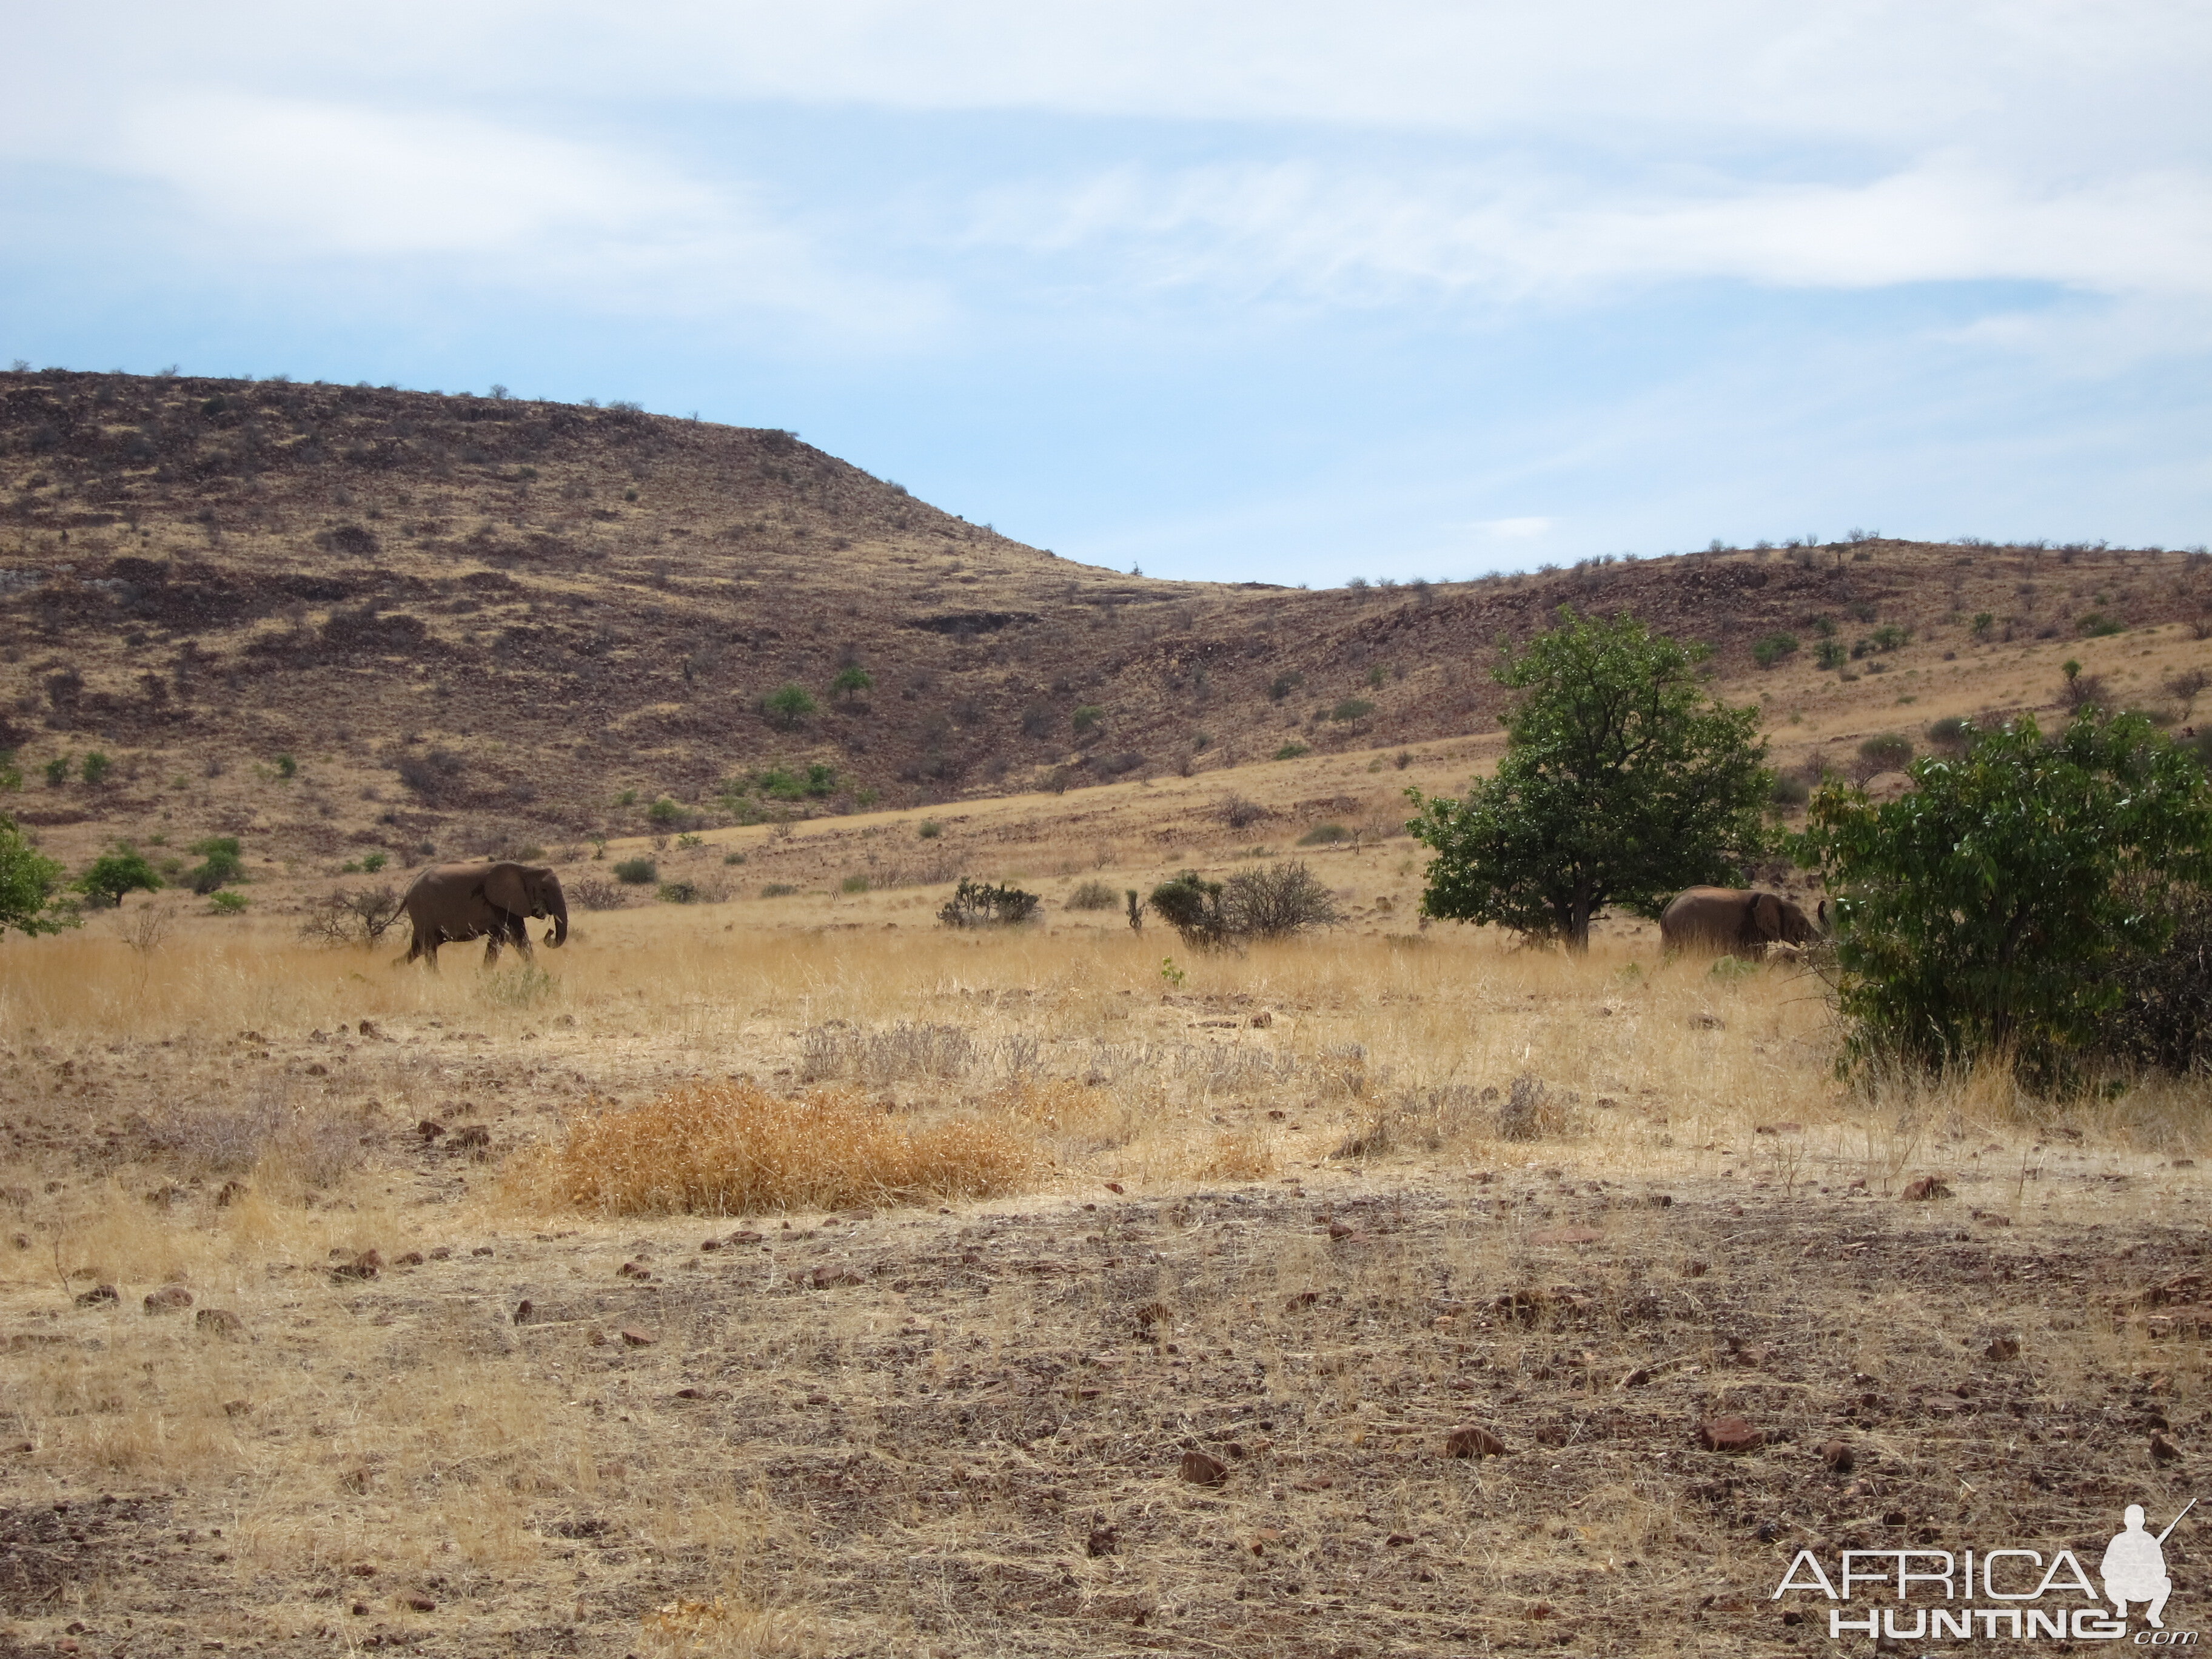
{"points": [[529, 889], [1769, 919]]}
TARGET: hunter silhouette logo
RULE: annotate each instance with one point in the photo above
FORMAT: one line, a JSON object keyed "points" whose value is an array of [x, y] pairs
{"points": [[2025, 1595]]}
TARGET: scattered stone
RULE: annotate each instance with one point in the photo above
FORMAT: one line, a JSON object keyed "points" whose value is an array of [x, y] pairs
{"points": [[443, 1253], [481, 1250], [822, 1279], [238, 1409], [1340, 1230], [2163, 1451], [170, 1298], [633, 1270], [469, 1137], [1991, 1219], [363, 1570], [1472, 1440], [368, 1028], [420, 1603], [1694, 1268], [22, 1241], [220, 1323], [2184, 1163], [1640, 1378], [22, 1448], [1839, 1457], [862, 1213], [744, 1236], [1301, 1300], [1730, 1434], [1103, 1540], [230, 1193], [408, 1259], [2002, 1347], [429, 1129], [96, 1295], [1783, 1128], [1928, 1187], [1203, 1471], [164, 1196], [523, 1310], [1114, 1186], [366, 1265], [710, 1245], [1398, 1541], [634, 1338]]}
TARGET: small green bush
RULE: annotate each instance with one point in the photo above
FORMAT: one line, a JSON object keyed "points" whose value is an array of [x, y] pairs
{"points": [[675, 892], [853, 884], [1093, 896], [1089, 718], [1889, 636], [1830, 654], [57, 771], [372, 862], [1772, 648], [1951, 734], [930, 829], [287, 766], [1351, 708], [1292, 751], [221, 864], [734, 857], [788, 705], [636, 873], [1283, 684], [627, 797], [981, 904], [1886, 752], [1789, 791], [851, 681], [1324, 834], [2097, 625], [112, 875], [664, 812], [96, 768], [688, 841], [227, 904], [1983, 621], [778, 889]]}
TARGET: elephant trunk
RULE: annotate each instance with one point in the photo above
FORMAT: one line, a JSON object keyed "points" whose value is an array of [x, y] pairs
{"points": [[557, 906]]}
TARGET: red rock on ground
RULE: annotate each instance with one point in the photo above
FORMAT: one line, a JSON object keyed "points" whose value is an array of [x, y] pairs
{"points": [[1472, 1440], [1203, 1471], [1926, 1188], [1730, 1434], [170, 1298], [1838, 1456], [219, 1322]]}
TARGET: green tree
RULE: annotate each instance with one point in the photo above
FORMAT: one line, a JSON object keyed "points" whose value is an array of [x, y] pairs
{"points": [[1622, 783], [12, 775], [112, 875], [221, 864], [96, 767], [1983, 912], [27, 883], [852, 680], [788, 705]]}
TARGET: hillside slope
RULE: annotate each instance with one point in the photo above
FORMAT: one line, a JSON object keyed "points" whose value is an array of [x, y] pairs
{"points": [[468, 623]]}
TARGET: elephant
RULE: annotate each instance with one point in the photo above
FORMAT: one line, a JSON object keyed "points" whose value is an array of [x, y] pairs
{"points": [[448, 902], [1730, 920]]}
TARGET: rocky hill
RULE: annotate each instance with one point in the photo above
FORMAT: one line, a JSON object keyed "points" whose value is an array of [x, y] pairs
{"points": [[346, 618]]}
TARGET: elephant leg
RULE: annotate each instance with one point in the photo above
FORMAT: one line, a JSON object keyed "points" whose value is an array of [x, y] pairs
{"points": [[522, 940], [492, 947]]}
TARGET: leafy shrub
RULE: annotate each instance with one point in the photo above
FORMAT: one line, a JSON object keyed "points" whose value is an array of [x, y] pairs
{"points": [[1351, 708], [1039, 719], [1292, 751], [2164, 1015], [853, 680], [228, 903], [110, 876], [57, 771], [677, 892], [788, 705], [781, 783], [930, 829], [1276, 901], [1283, 684], [1950, 734], [2099, 625], [1981, 914], [1789, 791], [853, 884], [28, 881], [664, 812], [734, 857], [1889, 636], [96, 768], [1093, 896], [979, 904], [1324, 834], [1772, 648], [286, 767], [1983, 621], [1088, 719], [1830, 653], [1192, 906], [221, 864], [778, 889], [636, 873], [372, 862]]}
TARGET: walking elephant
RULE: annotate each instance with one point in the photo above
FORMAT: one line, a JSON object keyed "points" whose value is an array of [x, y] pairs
{"points": [[1731, 920], [449, 903]]}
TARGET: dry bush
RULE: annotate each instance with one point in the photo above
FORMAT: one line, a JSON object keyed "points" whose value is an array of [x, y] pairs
{"points": [[597, 893], [731, 1148], [1093, 896], [899, 1054], [311, 1142], [353, 916]]}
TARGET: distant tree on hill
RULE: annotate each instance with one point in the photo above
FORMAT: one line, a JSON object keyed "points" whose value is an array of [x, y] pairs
{"points": [[112, 875], [788, 705], [852, 680]]}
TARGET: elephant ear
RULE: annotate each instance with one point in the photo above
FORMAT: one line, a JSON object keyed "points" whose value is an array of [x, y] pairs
{"points": [[506, 888], [1766, 916]]}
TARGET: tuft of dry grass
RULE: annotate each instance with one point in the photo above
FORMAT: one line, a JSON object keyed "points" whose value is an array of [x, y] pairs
{"points": [[732, 1148]]}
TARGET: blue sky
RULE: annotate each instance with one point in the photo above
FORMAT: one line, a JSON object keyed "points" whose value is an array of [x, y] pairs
{"points": [[1290, 291]]}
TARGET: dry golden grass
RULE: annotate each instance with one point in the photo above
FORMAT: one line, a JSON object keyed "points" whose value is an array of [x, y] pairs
{"points": [[735, 1149], [899, 1433]]}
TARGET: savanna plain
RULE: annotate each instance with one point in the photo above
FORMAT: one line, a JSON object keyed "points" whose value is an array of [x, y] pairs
{"points": [[1073, 1293]]}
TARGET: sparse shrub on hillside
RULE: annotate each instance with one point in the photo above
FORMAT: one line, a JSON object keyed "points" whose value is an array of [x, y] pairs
{"points": [[853, 884], [2080, 690], [929, 829], [57, 771], [1292, 751], [979, 904], [1886, 751], [96, 768], [1039, 719], [1983, 622], [1772, 648], [1241, 813], [788, 705], [778, 889], [678, 892], [433, 776], [2186, 685], [114, 874], [636, 873], [1949, 734], [221, 864], [664, 812], [1276, 901], [1192, 906], [1831, 653], [1283, 684], [1114, 764], [228, 903], [1088, 719], [1351, 708], [2100, 624], [1789, 792], [1890, 637], [1324, 834], [851, 681], [592, 893], [782, 783], [1093, 896]]}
